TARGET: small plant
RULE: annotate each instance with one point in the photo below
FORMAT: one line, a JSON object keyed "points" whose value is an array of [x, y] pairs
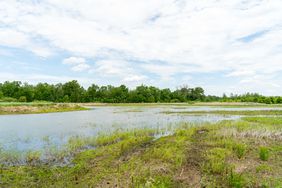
{"points": [[264, 153], [236, 180], [216, 160], [22, 99], [263, 168], [240, 150], [33, 157]]}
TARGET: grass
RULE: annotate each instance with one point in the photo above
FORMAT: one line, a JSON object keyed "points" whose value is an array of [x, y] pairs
{"points": [[242, 153], [37, 108], [39, 103], [231, 112], [240, 149], [264, 153], [210, 155], [189, 104]]}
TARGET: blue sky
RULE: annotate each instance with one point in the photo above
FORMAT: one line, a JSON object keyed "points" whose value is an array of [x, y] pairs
{"points": [[224, 46]]}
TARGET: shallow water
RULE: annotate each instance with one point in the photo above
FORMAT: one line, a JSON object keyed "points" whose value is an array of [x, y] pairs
{"points": [[35, 131]]}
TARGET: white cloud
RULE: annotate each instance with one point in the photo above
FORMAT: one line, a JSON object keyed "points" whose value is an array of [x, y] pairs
{"points": [[241, 73], [134, 78], [183, 36], [118, 70], [80, 67], [74, 61], [10, 37], [78, 63], [36, 78], [16, 39]]}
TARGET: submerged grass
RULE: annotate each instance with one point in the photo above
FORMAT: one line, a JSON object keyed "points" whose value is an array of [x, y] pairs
{"points": [[209, 155]]}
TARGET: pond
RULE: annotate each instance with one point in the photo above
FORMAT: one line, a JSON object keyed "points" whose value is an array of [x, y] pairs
{"points": [[30, 132]]}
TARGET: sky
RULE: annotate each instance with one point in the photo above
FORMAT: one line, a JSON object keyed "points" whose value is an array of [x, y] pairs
{"points": [[232, 46]]}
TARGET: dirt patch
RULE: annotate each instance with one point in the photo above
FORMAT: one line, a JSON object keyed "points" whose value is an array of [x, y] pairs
{"points": [[189, 176], [190, 173]]}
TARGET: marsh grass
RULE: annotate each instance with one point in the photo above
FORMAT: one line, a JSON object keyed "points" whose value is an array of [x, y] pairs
{"points": [[240, 149], [34, 108], [264, 153], [236, 180], [226, 112], [193, 155]]}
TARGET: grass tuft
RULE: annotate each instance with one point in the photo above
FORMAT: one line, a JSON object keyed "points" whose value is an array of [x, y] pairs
{"points": [[264, 153]]}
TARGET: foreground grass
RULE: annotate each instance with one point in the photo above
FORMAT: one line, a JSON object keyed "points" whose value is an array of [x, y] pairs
{"points": [[245, 153], [36, 108]]}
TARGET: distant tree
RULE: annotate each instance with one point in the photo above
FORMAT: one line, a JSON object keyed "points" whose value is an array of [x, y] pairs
{"points": [[44, 91], [197, 93], [26, 91], [74, 91], [165, 95], [58, 93], [11, 89], [92, 93]]}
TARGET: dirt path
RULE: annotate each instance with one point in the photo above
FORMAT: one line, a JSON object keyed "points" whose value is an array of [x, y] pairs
{"points": [[190, 174]]}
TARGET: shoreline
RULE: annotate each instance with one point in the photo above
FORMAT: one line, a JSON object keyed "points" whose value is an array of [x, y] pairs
{"points": [[15, 109]]}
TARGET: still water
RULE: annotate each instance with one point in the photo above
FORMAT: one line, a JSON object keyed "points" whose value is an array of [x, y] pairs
{"points": [[29, 132]]}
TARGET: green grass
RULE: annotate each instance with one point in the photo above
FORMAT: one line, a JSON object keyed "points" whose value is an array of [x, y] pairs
{"points": [[208, 155], [264, 153], [190, 104], [37, 108], [226, 112], [39, 103], [240, 149]]}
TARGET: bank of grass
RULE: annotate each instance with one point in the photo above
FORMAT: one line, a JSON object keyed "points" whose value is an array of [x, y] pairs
{"points": [[189, 104], [228, 112], [224, 154], [37, 108]]}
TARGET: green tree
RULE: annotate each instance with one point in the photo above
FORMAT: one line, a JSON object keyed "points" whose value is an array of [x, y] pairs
{"points": [[74, 91], [11, 89], [92, 93], [1, 94], [26, 91], [165, 95]]}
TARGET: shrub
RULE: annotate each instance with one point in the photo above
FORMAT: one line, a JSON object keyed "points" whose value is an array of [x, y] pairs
{"points": [[33, 157], [22, 99], [264, 153], [8, 99]]}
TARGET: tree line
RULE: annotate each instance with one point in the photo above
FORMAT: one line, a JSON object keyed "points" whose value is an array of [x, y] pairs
{"points": [[72, 91]]}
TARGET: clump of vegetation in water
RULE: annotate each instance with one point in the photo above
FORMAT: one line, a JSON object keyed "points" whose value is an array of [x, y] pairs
{"points": [[223, 154]]}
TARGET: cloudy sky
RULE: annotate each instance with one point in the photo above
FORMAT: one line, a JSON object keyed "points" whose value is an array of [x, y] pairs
{"points": [[223, 46]]}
